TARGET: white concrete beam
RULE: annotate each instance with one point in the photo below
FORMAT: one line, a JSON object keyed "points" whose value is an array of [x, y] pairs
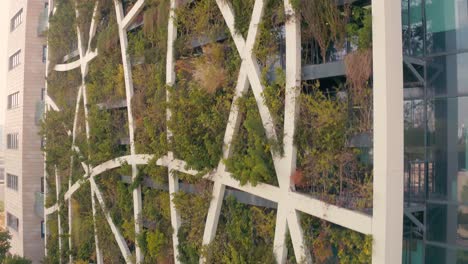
{"points": [[132, 15], [387, 224], [115, 230]]}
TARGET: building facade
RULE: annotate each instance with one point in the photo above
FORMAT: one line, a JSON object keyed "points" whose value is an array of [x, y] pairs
{"points": [[23, 157], [435, 35], [417, 143]]}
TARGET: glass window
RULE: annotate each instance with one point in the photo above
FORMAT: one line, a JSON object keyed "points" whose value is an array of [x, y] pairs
{"points": [[44, 53], [447, 75], [437, 254], [447, 223], [446, 25], [447, 134], [42, 229], [13, 100], [14, 60], [16, 20], [12, 221], [12, 181], [12, 141]]}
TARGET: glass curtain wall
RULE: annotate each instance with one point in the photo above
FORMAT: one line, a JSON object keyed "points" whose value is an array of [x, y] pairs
{"points": [[435, 40]]}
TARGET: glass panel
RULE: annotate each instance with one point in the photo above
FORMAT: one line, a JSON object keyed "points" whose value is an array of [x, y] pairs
{"points": [[447, 223], [436, 255], [414, 151], [448, 146], [447, 75], [446, 25]]}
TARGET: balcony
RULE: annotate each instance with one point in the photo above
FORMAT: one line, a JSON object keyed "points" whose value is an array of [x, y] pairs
{"points": [[39, 204], [316, 67], [42, 24], [40, 105]]}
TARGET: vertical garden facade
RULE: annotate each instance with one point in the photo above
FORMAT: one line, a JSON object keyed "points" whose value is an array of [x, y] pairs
{"points": [[227, 131]]}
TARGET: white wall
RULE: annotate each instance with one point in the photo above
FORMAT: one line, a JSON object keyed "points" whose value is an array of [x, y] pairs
{"points": [[4, 25]]}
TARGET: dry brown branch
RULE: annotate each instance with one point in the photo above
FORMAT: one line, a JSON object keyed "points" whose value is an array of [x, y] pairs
{"points": [[358, 72]]}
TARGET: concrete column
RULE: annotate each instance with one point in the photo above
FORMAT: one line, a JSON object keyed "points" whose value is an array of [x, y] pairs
{"points": [[387, 222]]}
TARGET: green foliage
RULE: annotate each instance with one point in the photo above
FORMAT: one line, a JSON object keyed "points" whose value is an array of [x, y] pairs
{"points": [[149, 109], [195, 21], [54, 128], [119, 202], [63, 87], [107, 243], [61, 36], [85, 10], [198, 133], [274, 96], [270, 33], [193, 209], [245, 235], [157, 173], [327, 165], [4, 244], [107, 127], [242, 12], [150, 41], [82, 225], [330, 243], [360, 28], [251, 160], [107, 36], [15, 259], [52, 240], [105, 80]]}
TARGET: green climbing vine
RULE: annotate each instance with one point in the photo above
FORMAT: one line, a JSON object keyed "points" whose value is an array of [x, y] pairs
{"points": [[245, 235], [193, 208]]}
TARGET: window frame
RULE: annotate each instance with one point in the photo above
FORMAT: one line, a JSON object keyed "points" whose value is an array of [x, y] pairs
{"points": [[12, 181], [16, 20], [14, 60], [13, 141], [12, 221], [13, 101]]}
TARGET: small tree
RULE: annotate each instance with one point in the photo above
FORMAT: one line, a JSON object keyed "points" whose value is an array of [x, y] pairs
{"points": [[4, 244]]}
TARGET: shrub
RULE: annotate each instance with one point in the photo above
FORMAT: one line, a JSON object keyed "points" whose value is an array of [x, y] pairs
{"points": [[245, 235], [193, 209], [61, 37], [251, 160], [330, 243]]}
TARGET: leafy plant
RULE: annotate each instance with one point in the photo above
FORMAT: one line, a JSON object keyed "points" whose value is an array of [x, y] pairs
{"points": [[359, 29], [330, 243], [328, 167], [245, 235], [193, 209], [61, 36], [251, 160]]}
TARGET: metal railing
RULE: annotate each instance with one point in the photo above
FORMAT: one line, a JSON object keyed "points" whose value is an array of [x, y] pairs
{"points": [[311, 53]]}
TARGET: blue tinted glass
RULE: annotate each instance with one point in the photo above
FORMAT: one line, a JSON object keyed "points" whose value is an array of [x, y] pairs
{"points": [[446, 25]]}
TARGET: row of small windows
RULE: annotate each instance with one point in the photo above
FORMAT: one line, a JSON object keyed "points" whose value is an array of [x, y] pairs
{"points": [[12, 181], [12, 221], [14, 60], [13, 100], [12, 141], [16, 20]]}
